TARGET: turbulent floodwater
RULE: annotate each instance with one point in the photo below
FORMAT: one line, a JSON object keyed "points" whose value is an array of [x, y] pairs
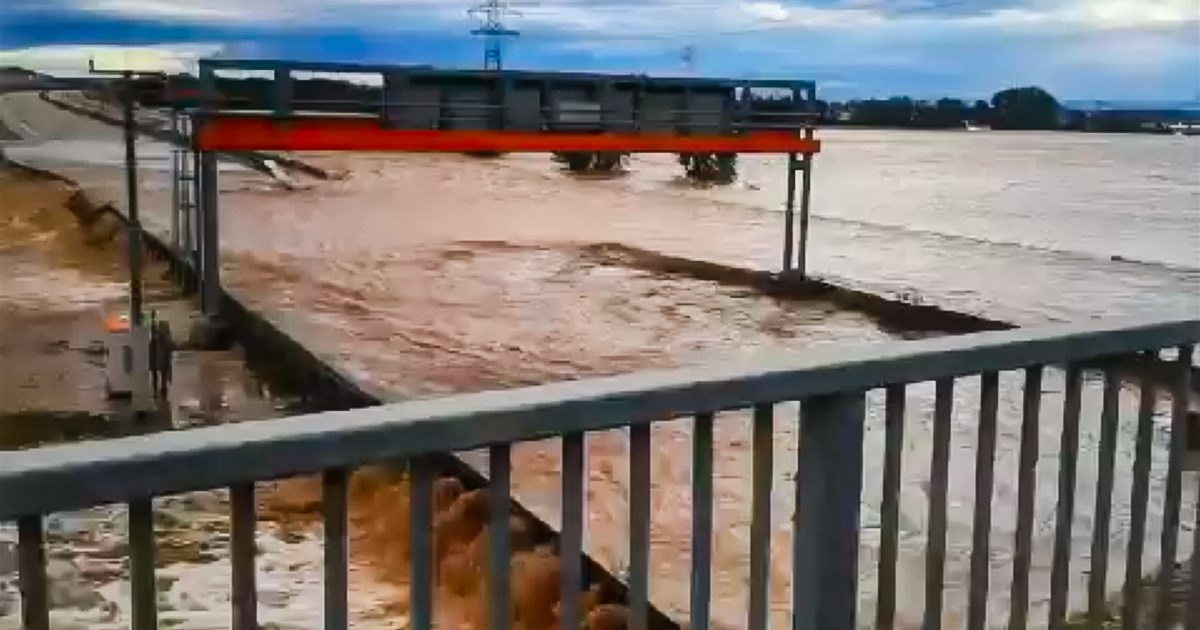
{"points": [[438, 274], [425, 275]]}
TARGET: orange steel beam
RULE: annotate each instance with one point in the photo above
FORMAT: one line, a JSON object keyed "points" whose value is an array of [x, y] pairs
{"points": [[249, 133]]}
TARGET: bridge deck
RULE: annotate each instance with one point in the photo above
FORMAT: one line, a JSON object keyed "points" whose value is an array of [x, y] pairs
{"points": [[284, 106], [242, 133]]}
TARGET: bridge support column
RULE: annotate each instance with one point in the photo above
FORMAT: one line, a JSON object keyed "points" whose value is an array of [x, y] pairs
{"points": [[177, 161], [193, 219], [805, 165], [795, 254], [789, 216], [210, 248]]}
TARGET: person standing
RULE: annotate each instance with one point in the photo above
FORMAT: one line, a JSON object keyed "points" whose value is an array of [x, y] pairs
{"points": [[165, 347], [153, 351]]}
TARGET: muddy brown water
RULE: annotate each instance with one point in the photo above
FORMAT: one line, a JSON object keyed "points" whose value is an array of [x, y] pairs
{"points": [[427, 275]]}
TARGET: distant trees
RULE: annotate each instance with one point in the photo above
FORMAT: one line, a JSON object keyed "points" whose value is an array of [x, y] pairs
{"points": [[1013, 108], [981, 112], [903, 111], [1025, 108]]}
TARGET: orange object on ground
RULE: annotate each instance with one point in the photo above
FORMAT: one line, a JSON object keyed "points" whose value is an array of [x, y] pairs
{"points": [[116, 322]]}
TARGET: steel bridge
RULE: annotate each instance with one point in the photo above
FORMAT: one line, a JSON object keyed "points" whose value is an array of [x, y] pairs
{"points": [[240, 105]]}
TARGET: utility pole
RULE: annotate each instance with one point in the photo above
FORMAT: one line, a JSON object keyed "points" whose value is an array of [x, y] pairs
{"points": [[491, 13], [139, 335]]}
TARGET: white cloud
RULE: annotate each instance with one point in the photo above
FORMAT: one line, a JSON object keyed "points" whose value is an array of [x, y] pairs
{"points": [[183, 11], [991, 40], [61, 60], [1125, 15], [769, 11], [629, 18]]}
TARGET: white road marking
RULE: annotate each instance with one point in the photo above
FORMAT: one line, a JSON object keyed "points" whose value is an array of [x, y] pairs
{"points": [[9, 118]]}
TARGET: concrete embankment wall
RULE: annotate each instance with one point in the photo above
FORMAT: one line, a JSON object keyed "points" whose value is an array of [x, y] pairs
{"points": [[287, 363]]}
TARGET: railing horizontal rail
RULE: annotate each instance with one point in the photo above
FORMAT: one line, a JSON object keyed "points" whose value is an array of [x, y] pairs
{"points": [[79, 475], [356, 68]]}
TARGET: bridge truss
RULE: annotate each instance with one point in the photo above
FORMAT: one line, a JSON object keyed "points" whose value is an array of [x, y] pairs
{"points": [[252, 105]]}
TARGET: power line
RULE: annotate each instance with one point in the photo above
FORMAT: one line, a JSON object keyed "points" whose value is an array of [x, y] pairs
{"points": [[491, 14]]}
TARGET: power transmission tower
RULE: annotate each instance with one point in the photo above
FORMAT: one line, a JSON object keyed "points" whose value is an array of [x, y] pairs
{"points": [[492, 13]]}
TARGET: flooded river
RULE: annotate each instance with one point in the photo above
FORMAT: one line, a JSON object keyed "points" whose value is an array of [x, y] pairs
{"points": [[426, 275], [435, 274]]}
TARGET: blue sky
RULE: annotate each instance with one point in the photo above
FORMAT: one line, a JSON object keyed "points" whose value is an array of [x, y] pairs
{"points": [[1078, 49]]}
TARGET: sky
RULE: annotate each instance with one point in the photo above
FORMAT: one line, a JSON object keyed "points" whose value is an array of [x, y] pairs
{"points": [[1077, 49]]}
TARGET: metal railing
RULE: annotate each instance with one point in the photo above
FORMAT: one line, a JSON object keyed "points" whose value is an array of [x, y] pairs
{"points": [[831, 385]]}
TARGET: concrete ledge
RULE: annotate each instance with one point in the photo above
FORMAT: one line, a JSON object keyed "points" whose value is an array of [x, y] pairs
{"points": [[892, 314]]}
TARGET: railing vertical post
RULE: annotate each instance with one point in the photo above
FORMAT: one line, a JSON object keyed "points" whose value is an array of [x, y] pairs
{"points": [[828, 495], [939, 481], [420, 544], [242, 553], [337, 553], [1131, 602], [1098, 575], [31, 562], [499, 507], [760, 522], [1018, 616], [1068, 454], [985, 454], [1181, 389], [281, 92], [144, 596], [639, 526], [1193, 604], [702, 519], [571, 543]]}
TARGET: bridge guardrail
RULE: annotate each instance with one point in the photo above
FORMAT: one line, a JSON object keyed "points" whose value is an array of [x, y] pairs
{"points": [[831, 385]]}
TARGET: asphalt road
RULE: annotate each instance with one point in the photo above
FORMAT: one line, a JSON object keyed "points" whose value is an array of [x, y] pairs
{"points": [[34, 120]]}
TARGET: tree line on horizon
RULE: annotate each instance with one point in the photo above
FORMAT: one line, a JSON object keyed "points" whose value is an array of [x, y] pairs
{"points": [[1013, 108], [1017, 108]]}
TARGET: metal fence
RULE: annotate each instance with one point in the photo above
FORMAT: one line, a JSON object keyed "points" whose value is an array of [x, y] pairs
{"points": [[831, 385]]}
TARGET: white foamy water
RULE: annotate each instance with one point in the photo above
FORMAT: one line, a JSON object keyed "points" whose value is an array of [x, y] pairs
{"points": [[89, 581]]}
